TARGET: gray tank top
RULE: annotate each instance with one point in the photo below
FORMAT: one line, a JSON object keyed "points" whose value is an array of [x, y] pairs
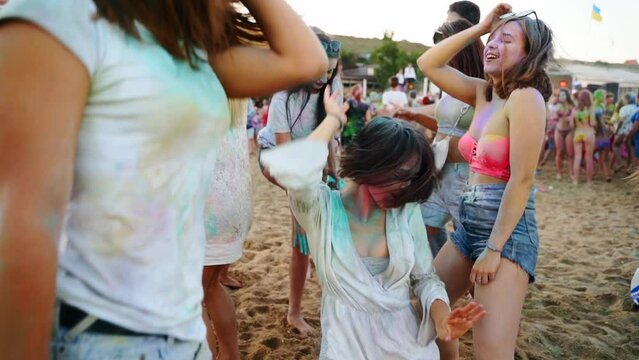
{"points": [[447, 112], [375, 265]]}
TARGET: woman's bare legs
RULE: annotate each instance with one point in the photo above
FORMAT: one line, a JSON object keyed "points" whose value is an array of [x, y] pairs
{"points": [[495, 336], [437, 237], [545, 155], [577, 162], [560, 151], [589, 145], [453, 269], [207, 275], [219, 308], [616, 153], [564, 148], [297, 278], [631, 154], [604, 162], [227, 280], [542, 154], [569, 141]]}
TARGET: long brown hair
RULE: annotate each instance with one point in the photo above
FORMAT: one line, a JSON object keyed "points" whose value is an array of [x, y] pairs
{"points": [[182, 27], [531, 71], [305, 89], [584, 99], [470, 59]]}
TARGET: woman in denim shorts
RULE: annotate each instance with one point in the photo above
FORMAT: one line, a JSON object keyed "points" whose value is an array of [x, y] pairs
{"points": [[496, 245]]}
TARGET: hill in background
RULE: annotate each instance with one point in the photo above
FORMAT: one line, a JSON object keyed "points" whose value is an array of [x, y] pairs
{"points": [[364, 46]]}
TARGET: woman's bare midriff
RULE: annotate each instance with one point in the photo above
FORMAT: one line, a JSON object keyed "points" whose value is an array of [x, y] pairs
{"points": [[563, 124], [480, 179]]}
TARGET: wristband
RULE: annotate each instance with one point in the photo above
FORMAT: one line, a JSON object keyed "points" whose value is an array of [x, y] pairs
{"points": [[492, 247]]}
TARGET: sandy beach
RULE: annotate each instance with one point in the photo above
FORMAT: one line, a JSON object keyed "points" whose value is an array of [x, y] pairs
{"points": [[578, 309]]}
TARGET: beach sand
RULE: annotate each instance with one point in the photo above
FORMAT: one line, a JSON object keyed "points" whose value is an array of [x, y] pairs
{"points": [[579, 308]]}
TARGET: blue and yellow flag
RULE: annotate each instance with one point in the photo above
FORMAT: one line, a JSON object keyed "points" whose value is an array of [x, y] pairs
{"points": [[596, 13]]}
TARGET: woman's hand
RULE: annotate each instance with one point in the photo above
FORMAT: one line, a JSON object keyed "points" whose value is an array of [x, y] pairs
{"points": [[387, 110], [326, 130], [332, 107], [405, 113], [459, 321], [485, 267], [493, 17]]}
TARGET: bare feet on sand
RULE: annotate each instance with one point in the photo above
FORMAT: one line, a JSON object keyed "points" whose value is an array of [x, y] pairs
{"points": [[230, 282], [300, 326]]}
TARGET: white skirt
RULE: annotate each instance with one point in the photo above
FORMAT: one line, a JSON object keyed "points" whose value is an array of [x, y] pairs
{"points": [[228, 209]]}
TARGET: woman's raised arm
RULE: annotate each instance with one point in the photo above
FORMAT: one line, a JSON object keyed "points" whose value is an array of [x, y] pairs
{"points": [[433, 63], [294, 56]]}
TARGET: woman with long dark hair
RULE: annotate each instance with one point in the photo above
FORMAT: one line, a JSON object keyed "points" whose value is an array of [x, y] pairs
{"points": [[111, 115], [294, 114], [451, 119], [496, 245], [564, 132]]}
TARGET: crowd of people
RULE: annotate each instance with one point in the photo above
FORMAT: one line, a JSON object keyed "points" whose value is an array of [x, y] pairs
{"points": [[126, 183], [586, 127]]}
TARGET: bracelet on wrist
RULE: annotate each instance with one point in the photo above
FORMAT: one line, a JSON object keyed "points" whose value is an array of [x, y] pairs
{"points": [[492, 247]]}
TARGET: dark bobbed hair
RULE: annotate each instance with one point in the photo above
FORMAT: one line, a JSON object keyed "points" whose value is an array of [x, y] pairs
{"points": [[466, 9], [183, 27], [376, 154], [470, 59], [531, 71], [305, 90]]}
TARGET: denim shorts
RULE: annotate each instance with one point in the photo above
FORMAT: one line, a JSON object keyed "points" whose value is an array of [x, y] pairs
{"points": [[477, 214], [443, 203], [77, 344]]}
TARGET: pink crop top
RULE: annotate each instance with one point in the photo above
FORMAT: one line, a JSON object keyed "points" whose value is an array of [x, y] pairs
{"points": [[490, 156]]}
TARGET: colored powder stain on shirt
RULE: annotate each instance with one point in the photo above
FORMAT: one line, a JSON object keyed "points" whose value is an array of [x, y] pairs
{"points": [[211, 225]]}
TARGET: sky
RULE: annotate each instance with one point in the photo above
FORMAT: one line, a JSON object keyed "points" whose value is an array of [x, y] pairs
{"points": [[577, 36]]}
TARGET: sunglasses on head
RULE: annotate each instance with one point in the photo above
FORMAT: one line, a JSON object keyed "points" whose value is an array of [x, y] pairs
{"points": [[520, 15], [332, 47]]}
